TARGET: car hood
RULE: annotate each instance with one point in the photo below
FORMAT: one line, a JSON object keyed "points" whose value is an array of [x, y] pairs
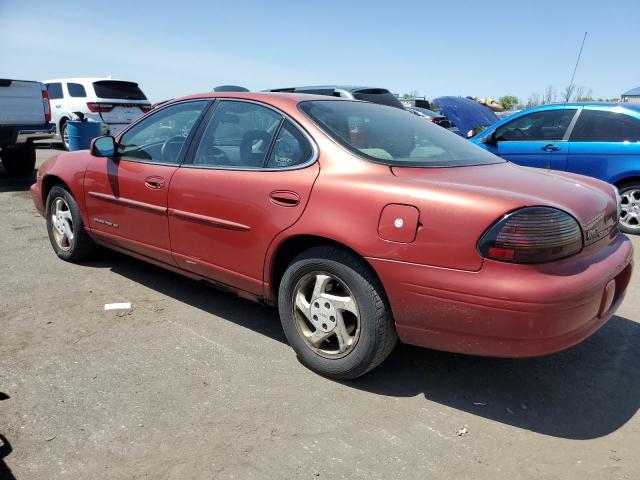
{"points": [[466, 114]]}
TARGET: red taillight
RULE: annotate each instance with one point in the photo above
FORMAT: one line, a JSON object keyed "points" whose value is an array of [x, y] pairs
{"points": [[532, 235], [145, 108], [96, 107], [46, 104]]}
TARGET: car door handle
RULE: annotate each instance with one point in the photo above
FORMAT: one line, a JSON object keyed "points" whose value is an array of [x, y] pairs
{"points": [[284, 198], [154, 182], [550, 148]]}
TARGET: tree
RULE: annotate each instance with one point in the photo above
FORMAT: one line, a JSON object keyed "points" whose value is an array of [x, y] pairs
{"points": [[508, 101], [567, 93], [533, 100], [549, 95]]}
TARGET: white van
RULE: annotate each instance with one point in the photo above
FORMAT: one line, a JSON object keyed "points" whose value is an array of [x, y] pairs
{"points": [[115, 103]]}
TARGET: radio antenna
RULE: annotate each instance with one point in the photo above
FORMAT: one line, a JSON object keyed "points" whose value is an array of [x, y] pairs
{"points": [[573, 76]]}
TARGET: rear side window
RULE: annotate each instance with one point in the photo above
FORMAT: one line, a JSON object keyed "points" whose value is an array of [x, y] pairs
{"points": [[604, 126], [76, 90], [291, 148], [545, 125], [239, 135], [392, 136], [116, 89], [55, 91]]}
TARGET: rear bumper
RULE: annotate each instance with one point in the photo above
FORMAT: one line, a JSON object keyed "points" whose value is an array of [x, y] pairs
{"points": [[506, 310], [22, 134]]}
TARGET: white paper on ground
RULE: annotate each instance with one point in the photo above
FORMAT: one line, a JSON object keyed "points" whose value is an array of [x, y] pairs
{"points": [[117, 306]]}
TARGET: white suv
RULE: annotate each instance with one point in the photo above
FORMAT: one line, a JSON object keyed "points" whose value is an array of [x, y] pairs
{"points": [[115, 103]]}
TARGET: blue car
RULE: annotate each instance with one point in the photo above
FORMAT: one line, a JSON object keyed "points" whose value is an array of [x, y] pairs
{"points": [[601, 140]]}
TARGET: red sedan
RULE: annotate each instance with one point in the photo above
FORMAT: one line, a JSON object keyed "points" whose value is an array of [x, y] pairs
{"points": [[361, 222]]}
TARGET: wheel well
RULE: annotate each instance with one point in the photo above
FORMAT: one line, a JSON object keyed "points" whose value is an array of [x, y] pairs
{"points": [[292, 247], [48, 183], [62, 121], [627, 181]]}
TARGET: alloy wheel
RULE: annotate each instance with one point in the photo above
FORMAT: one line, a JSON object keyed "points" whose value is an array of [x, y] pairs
{"points": [[62, 223], [630, 209], [326, 314]]}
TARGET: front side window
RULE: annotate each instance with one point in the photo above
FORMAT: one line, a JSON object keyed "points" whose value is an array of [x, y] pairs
{"points": [[160, 138], [55, 91], [392, 136], [546, 125], [76, 90], [604, 126], [238, 135]]}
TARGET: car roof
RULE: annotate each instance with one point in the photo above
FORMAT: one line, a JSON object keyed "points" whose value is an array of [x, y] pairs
{"points": [[550, 106], [280, 98], [348, 88], [85, 79]]}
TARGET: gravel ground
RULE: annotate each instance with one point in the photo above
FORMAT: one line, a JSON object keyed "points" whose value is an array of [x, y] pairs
{"points": [[193, 383]]}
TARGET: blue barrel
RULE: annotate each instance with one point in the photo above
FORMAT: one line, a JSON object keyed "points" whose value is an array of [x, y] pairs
{"points": [[81, 133]]}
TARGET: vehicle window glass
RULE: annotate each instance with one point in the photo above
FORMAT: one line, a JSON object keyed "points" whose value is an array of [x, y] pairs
{"points": [[161, 137], [392, 136], [119, 90], [543, 125], [238, 135], [291, 148], [55, 91], [76, 90], [604, 126]]}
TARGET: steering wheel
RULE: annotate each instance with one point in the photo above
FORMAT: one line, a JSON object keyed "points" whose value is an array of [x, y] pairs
{"points": [[171, 149]]}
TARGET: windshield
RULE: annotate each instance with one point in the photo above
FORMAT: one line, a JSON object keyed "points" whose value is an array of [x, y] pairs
{"points": [[116, 89], [393, 137]]}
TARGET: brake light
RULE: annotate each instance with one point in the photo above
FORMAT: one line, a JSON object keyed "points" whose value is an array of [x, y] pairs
{"points": [[46, 104], [532, 235], [145, 108], [96, 107]]}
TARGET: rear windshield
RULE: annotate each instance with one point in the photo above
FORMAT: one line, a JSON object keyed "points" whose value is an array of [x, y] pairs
{"points": [[379, 96], [393, 137], [118, 90]]}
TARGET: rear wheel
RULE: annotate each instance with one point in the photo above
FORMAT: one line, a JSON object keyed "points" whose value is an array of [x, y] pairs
{"points": [[335, 314], [64, 225], [630, 208], [19, 161]]}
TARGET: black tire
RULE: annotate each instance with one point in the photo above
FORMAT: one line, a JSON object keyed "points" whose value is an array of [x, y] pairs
{"points": [[377, 335], [20, 161], [63, 131], [82, 246], [623, 190]]}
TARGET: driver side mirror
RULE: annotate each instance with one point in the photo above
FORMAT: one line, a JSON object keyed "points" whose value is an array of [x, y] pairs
{"points": [[490, 139], [104, 147]]}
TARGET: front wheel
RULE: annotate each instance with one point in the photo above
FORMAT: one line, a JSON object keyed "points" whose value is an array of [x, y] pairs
{"points": [[64, 225], [630, 208], [335, 314]]}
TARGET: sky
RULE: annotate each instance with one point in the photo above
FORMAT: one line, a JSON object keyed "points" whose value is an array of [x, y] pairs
{"points": [[484, 49]]}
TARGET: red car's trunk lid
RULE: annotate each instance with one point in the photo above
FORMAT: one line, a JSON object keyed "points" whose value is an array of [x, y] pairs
{"points": [[505, 187]]}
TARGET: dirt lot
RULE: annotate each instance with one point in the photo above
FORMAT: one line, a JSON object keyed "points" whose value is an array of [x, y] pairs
{"points": [[194, 383]]}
